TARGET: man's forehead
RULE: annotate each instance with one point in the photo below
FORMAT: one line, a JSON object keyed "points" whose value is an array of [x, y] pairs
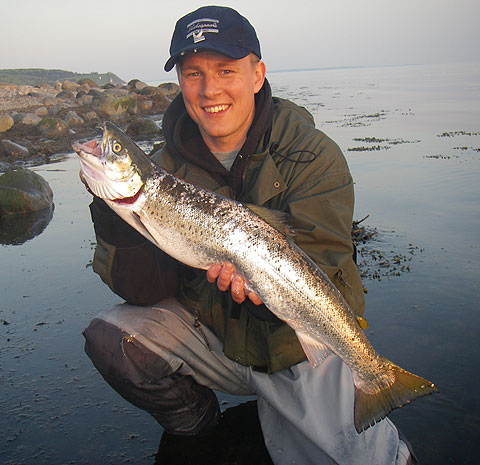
{"points": [[213, 58]]}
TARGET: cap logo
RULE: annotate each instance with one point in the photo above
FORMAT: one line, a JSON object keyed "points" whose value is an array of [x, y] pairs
{"points": [[197, 28]]}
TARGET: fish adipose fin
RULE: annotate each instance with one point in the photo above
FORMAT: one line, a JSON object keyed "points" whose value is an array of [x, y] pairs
{"points": [[315, 351], [371, 408]]}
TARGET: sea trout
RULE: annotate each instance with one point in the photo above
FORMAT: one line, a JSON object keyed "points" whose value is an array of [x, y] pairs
{"points": [[201, 228]]}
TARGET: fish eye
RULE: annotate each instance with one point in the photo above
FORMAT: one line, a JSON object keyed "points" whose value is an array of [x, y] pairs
{"points": [[117, 147]]}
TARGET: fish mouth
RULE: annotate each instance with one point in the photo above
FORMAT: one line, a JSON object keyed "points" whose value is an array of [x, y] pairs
{"points": [[94, 173], [91, 147]]}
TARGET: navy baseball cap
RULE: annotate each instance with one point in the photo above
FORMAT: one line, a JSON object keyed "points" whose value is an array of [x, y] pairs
{"points": [[216, 29]]}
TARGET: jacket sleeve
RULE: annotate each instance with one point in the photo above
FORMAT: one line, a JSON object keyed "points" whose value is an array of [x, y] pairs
{"points": [[129, 264], [320, 203]]}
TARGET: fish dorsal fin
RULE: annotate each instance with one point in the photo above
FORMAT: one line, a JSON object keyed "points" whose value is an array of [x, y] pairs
{"points": [[315, 351], [275, 218]]}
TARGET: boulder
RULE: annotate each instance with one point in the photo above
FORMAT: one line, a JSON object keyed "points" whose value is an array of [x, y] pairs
{"points": [[30, 118], [73, 120], [160, 103], [23, 191], [170, 89], [69, 85], [90, 116], [144, 106], [136, 85], [89, 82], [6, 122], [52, 127], [85, 100], [66, 95], [49, 101], [143, 127], [95, 93], [9, 149], [114, 105], [41, 111]]}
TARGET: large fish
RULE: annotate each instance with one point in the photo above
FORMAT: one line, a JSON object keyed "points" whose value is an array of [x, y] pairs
{"points": [[201, 228]]}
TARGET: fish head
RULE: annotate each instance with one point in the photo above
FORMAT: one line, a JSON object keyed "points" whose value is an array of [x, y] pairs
{"points": [[114, 169]]}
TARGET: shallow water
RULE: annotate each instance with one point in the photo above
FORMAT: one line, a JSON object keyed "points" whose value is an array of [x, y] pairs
{"points": [[422, 194]]}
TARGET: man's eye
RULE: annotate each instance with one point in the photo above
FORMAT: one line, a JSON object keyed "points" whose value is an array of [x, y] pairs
{"points": [[226, 71]]}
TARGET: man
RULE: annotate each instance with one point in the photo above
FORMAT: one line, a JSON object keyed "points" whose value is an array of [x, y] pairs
{"points": [[187, 334]]}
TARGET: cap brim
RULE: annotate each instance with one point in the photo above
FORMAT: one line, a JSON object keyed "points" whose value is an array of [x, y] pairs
{"points": [[236, 53]]}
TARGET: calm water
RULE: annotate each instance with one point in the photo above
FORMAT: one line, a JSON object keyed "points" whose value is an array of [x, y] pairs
{"points": [[422, 194]]}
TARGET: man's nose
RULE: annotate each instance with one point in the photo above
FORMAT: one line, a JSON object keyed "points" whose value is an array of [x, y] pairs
{"points": [[211, 86]]}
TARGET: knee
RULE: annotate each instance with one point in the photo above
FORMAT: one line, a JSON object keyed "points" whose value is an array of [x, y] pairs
{"points": [[120, 357]]}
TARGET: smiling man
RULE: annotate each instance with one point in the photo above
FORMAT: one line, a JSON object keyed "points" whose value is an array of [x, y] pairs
{"points": [[184, 334]]}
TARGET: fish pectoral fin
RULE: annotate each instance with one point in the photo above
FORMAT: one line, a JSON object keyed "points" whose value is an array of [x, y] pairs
{"points": [[315, 351]]}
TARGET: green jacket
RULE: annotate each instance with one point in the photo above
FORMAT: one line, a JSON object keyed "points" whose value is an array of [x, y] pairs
{"points": [[297, 169]]}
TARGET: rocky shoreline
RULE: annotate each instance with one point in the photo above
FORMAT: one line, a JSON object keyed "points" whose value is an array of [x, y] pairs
{"points": [[37, 123]]}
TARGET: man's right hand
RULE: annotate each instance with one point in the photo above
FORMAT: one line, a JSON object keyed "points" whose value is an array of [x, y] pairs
{"points": [[226, 277]]}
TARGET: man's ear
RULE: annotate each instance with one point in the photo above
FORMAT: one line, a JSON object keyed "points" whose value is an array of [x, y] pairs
{"points": [[260, 71]]}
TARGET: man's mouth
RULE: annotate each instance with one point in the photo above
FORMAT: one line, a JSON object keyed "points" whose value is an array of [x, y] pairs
{"points": [[216, 108]]}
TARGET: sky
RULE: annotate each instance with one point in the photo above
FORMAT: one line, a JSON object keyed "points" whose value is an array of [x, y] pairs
{"points": [[131, 38]]}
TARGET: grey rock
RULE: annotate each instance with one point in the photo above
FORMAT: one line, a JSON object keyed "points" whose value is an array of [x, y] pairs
{"points": [[52, 127], [23, 191], [9, 149]]}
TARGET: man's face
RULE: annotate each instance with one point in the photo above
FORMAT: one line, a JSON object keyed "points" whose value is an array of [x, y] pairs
{"points": [[219, 96]]}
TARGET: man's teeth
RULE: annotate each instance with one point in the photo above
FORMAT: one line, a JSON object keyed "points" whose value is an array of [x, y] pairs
{"points": [[216, 108]]}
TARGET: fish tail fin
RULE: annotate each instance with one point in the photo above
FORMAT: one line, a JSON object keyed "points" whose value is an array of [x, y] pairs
{"points": [[373, 407]]}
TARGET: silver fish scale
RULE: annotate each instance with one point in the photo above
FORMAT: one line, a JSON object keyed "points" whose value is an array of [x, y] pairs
{"points": [[200, 228]]}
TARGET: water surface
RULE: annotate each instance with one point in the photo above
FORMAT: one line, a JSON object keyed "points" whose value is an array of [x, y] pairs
{"points": [[421, 190]]}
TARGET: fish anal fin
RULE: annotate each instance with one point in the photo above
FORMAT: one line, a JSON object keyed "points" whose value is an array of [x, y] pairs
{"points": [[315, 351], [371, 408]]}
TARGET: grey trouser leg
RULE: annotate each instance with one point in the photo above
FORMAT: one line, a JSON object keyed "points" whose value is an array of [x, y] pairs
{"points": [[158, 359], [176, 401], [306, 413]]}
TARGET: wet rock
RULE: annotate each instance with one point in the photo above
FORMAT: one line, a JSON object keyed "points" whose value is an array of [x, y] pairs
{"points": [[49, 101], [66, 95], [136, 85], [96, 93], [41, 111], [37, 94], [160, 104], [85, 100], [69, 85], [9, 149], [90, 116], [52, 127], [30, 119], [44, 85], [114, 105], [6, 122], [143, 127], [144, 106], [23, 191], [89, 82], [170, 89], [73, 119]]}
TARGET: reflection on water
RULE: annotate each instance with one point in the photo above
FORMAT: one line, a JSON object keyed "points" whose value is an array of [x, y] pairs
{"points": [[17, 229], [57, 409]]}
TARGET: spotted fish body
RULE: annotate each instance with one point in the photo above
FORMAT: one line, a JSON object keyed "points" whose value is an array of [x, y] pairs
{"points": [[201, 228]]}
